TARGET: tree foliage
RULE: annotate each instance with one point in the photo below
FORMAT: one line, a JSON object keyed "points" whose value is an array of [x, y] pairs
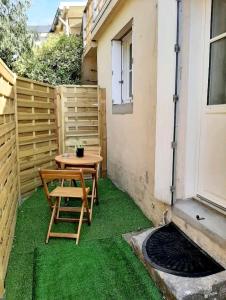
{"points": [[57, 61], [15, 38]]}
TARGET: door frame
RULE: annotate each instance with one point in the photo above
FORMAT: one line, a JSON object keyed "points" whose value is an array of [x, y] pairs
{"points": [[207, 109], [193, 88]]}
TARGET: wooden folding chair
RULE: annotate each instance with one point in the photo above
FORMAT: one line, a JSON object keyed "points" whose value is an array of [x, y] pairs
{"points": [[54, 199]]}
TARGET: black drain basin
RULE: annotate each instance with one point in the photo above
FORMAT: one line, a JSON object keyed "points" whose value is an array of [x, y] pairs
{"points": [[168, 249]]}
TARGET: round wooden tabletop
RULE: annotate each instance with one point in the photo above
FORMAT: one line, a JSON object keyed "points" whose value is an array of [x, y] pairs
{"points": [[72, 159]]}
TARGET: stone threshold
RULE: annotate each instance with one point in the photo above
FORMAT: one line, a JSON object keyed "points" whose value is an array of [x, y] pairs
{"points": [[173, 287], [208, 231], [212, 222]]}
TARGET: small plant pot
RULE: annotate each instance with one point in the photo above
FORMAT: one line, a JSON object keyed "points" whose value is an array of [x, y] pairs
{"points": [[80, 152]]}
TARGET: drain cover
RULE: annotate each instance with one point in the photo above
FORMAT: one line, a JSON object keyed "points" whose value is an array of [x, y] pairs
{"points": [[170, 250]]}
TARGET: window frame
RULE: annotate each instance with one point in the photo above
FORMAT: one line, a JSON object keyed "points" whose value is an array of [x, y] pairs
{"points": [[212, 40], [127, 67], [118, 105]]}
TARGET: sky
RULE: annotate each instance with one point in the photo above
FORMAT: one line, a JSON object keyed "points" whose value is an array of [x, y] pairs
{"points": [[42, 12]]}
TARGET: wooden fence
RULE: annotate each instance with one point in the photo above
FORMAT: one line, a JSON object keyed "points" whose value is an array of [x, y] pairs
{"points": [[37, 131], [36, 124], [9, 183], [82, 121]]}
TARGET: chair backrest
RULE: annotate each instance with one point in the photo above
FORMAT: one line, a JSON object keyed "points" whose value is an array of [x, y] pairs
{"points": [[93, 150], [51, 175]]}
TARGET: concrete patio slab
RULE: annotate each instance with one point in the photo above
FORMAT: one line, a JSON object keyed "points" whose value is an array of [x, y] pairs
{"points": [[175, 287]]}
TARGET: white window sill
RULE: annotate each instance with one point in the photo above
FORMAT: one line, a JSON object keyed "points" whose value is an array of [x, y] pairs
{"points": [[122, 109]]}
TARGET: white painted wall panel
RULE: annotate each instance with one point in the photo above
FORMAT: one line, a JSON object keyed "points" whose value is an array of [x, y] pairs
{"points": [[166, 64]]}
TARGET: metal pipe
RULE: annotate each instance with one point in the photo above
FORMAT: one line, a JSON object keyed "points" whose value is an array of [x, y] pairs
{"points": [[177, 51]]}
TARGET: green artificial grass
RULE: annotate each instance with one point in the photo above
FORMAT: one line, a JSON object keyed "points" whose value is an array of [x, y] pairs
{"points": [[116, 214], [104, 269]]}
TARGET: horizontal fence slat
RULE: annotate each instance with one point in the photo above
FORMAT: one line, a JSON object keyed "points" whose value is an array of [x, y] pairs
{"points": [[23, 91], [6, 90], [68, 134], [39, 139], [24, 153], [6, 73], [27, 116], [82, 114], [36, 162], [6, 128], [82, 103], [31, 128], [37, 104]]}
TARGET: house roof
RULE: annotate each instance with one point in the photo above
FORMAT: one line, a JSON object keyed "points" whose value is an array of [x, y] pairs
{"points": [[72, 3], [64, 5]]}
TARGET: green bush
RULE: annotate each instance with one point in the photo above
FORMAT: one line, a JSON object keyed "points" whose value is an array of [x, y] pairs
{"points": [[15, 37], [57, 61]]}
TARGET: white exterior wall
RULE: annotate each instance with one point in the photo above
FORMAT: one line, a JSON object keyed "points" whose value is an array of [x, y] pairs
{"points": [[131, 138], [166, 73], [191, 89]]}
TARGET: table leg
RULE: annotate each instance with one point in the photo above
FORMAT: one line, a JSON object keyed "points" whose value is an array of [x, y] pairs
{"points": [[96, 183], [74, 182]]}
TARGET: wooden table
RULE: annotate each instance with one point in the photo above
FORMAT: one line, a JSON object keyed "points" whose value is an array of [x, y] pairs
{"points": [[87, 161], [72, 160]]}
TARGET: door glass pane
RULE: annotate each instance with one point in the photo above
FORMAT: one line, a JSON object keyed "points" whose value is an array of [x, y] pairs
{"points": [[217, 75], [218, 17]]}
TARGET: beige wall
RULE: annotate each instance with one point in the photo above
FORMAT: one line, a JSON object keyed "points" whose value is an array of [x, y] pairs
{"points": [[74, 17], [89, 69], [131, 138]]}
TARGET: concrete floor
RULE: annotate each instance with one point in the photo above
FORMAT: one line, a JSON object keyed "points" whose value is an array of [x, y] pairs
{"points": [[181, 288]]}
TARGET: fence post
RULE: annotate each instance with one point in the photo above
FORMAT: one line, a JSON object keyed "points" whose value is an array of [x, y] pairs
{"points": [[17, 138], [58, 104], [102, 128], [61, 106]]}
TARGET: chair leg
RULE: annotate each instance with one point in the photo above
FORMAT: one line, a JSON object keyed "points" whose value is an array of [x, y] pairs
{"points": [[74, 182], [58, 207], [87, 211], [94, 187], [92, 199], [80, 222], [51, 221]]}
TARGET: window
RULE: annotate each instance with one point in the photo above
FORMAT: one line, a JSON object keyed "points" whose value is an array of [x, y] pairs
{"points": [[127, 68], [122, 70], [217, 68]]}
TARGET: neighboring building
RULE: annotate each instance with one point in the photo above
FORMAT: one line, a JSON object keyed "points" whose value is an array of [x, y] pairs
{"points": [[41, 33], [68, 18], [161, 149]]}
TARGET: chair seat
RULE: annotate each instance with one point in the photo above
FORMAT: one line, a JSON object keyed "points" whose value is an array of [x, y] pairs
{"points": [[70, 192]]}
